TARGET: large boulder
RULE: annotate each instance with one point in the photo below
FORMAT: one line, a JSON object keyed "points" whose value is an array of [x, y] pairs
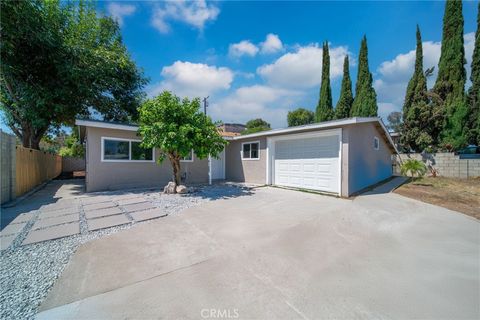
{"points": [[182, 189], [170, 187]]}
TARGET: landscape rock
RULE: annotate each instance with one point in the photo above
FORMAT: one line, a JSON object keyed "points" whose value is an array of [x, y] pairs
{"points": [[170, 188], [182, 189]]}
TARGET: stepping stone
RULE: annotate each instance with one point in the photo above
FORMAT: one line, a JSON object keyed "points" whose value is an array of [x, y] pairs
{"points": [[6, 241], [102, 212], [96, 199], [96, 206], [51, 233], [106, 222], [126, 196], [12, 228], [24, 217], [44, 223], [131, 201], [148, 214], [58, 213], [138, 206], [59, 206]]}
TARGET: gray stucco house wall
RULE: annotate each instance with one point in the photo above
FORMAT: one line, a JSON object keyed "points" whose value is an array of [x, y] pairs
{"points": [[121, 175], [362, 156], [251, 171]]}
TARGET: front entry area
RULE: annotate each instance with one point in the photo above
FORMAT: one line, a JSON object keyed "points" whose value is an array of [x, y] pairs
{"points": [[218, 167], [310, 161]]}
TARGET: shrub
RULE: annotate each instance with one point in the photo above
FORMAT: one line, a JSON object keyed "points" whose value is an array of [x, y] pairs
{"points": [[413, 168]]}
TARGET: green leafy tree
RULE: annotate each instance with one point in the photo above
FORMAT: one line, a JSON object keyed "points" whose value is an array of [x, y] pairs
{"points": [[176, 127], [365, 102], [473, 98], [300, 117], [344, 104], [394, 121], [420, 127], [61, 60], [256, 125], [324, 111], [450, 83], [72, 146]]}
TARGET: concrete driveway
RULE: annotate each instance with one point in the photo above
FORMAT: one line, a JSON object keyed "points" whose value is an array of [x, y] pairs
{"points": [[280, 254]]}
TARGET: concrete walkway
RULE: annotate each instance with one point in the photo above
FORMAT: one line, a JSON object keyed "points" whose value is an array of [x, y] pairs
{"points": [[280, 254], [62, 209]]}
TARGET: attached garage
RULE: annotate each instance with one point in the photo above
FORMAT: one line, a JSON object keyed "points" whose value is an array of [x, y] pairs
{"points": [[340, 157], [310, 161]]}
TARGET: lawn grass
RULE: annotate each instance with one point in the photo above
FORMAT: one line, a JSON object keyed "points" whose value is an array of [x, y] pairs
{"points": [[461, 195]]}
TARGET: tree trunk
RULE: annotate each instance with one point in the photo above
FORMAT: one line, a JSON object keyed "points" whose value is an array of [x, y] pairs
{"points": [[26, 137], [37, 137], [175, 161]]}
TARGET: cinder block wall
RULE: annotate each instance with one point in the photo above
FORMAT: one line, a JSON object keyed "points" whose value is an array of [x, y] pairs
{"points": [[448, 164], [7, 166], [73, 164]]}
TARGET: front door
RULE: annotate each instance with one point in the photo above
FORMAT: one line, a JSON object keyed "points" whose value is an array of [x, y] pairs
{"points": [[218, 167]]}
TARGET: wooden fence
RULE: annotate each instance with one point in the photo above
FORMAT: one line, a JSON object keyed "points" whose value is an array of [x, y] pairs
{"points": [[34, 167]]}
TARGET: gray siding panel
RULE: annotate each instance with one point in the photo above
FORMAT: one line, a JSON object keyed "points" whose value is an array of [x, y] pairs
{"points": [[366, 166], [250, 171], [118, 175]]}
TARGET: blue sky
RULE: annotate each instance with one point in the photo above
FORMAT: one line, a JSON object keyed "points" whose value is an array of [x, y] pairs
{"points": [[261, 59]]}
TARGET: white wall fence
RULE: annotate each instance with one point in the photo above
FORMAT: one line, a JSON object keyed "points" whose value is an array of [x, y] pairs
{"points": [[447, 164], [7, 167], [70, 164]]}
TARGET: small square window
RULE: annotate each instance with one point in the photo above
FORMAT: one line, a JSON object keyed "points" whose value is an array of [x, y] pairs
{"points": [[376, 143], [250, 150], [188, 158]]}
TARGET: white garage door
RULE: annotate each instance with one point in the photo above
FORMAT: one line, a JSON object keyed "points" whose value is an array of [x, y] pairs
{"points": [[310, 162]]}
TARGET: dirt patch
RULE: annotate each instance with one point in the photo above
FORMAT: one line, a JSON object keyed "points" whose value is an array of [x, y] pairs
{"points": [[461, 195]]}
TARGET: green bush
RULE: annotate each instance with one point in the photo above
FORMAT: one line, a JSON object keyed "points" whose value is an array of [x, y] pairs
{"points": [[413, 168]]}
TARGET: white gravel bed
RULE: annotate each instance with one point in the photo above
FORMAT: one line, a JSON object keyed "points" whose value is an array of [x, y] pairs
{"points": [[28, 272]]}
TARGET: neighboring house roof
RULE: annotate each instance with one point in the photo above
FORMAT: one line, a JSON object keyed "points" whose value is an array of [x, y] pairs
{"points": [[297, 129]]}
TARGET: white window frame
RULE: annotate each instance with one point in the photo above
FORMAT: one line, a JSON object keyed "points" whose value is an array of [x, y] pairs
{"points": [[376, 143], [183, 160], [250, 142], [129, 151]]}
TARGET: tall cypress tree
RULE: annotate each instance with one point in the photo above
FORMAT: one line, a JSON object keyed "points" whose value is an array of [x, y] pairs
{"points": [[324, 111], [365, 102], [344, 104], [450, 83], [473, 99], [418, 129], [418, 76]]}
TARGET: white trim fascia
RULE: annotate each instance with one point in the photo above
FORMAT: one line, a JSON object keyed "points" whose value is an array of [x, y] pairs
{"points": [[106, 125], [340, 162], [102, 147], [250, 159], [328, 124]]}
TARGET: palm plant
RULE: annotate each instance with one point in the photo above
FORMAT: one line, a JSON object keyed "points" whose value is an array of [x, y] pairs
{"points": [[413, 168]]}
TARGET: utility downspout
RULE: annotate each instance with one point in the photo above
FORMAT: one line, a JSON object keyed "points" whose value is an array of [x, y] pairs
{"points": [[209, 170]]}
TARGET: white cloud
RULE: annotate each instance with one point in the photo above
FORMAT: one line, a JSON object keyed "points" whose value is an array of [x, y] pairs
{"points": [[193, 13], [191, 80], [271, 44], [303, 68], [242, 48], [120, 11], [393, 75], [257, 101]]}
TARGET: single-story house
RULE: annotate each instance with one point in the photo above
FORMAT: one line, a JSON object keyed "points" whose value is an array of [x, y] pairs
{"points": [[340, 157]]}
